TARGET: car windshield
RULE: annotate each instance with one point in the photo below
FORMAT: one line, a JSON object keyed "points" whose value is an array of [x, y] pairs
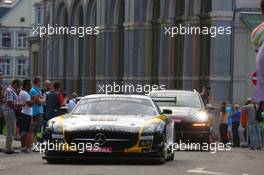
{"points": [[115, 106], [177, 99]]}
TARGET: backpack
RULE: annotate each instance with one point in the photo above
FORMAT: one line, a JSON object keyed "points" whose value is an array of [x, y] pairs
{"points": [[244, 119]]}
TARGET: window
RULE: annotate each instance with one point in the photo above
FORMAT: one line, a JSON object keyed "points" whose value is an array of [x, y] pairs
{"points": [[37, 14], [21, 42], [6, 40], [5, 67], [22, 67]]}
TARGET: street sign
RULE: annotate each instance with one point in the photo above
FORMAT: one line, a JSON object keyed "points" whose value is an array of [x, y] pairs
{"points": [[254, 78]]}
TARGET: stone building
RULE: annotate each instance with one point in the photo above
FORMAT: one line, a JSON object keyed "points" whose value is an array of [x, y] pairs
{"points": [[132, 46], [16, 20]]}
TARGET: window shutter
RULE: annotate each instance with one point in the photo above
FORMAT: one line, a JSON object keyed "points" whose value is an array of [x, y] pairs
{"points": [[16, 39], [36, 15], [12, 39], [1, 36]]}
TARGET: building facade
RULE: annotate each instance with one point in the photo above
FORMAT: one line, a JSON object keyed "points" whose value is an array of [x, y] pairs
{"points": [[16, 23], [247, 17], [132, 47]]}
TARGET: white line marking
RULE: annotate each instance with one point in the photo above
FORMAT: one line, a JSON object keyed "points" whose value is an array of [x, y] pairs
{"points": [[202, 171], [2, 168]]}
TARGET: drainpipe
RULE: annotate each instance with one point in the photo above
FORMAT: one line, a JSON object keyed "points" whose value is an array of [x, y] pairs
{"points": [[232, 53]]}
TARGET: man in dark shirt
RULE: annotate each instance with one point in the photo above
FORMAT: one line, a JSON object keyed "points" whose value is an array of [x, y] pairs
{"points": [[205, 94], [55, 100], [236, 116]]}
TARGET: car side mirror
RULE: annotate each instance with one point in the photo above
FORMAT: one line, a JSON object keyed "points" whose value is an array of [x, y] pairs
{"points": [[167, 111], [209, 107]]}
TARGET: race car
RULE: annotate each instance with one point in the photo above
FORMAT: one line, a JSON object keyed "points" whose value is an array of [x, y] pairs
{"points": [[111, 126], [191, 121]]}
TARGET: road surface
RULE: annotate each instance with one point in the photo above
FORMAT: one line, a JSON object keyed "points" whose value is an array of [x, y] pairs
{"points": [[239, 161]]}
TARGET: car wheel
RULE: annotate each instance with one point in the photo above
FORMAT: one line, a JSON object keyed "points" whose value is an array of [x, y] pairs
{"points": [[163, 152], [170, 153], [171, 157]]}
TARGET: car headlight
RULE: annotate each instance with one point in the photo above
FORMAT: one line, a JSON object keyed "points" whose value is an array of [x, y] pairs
{"points": [[150, 129], [201, 116], [57, 128]]}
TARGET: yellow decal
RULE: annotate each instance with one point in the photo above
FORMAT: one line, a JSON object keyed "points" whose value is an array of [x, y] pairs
{"points": [[136, 148]]}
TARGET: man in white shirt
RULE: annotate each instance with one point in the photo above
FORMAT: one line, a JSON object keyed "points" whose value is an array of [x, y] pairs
{"points": [[72, 102], [26, 116]]}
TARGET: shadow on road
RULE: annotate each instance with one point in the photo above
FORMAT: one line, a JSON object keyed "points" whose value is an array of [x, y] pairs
{"points": [[107, 162]]}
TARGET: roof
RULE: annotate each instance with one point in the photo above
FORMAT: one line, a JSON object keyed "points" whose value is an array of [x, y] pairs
{"points": [[116, 95], [3, 11], [251, 19]]}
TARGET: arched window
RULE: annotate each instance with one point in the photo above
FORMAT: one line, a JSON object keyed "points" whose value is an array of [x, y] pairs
{"points": [[180, 8], [155, 43], [63, 41], [119, 19], [78, 22], [206, 6], [88, 83]]}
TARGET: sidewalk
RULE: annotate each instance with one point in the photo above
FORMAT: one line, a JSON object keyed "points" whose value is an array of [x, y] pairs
{"points": [[16, 144]]}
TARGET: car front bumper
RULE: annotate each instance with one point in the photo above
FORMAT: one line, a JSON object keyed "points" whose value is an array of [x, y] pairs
{"points": [[145, 155]]}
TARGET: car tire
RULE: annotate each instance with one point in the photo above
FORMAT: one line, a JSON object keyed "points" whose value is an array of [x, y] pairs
{"points": [[171, 154], [163, 152], [171, 157]]}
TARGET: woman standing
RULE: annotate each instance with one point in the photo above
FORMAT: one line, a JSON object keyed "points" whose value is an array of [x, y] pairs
{"points": [[223, 127]]}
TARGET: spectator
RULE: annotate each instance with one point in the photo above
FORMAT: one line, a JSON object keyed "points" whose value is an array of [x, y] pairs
{"points": [[209, 109], [26, 116], [72, 102], [229, 111], [2, 101], [12, 104], [236, 116], [253, 126], [36, 93], [223, 124], [244, 125], [46, 90], [55, 101], [205, 94]]}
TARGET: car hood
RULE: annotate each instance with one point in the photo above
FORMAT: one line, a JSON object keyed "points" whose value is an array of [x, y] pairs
{"points": [[98, 122], [183, 113]]}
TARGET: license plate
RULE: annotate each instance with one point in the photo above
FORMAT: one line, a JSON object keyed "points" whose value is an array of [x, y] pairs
{"points": [[177, 120], [101, 150]]}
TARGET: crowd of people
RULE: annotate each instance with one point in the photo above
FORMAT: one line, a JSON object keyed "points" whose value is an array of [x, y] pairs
{"points": [[231, 118], [28, 108], [250, 116]]}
